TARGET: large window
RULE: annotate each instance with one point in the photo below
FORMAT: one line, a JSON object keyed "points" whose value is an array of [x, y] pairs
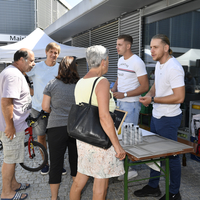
{"points": [[183, 31]]}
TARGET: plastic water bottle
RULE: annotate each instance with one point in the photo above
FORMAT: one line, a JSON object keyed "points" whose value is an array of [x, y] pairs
{"points": [[133, 138], [140, 136], [125, 135], [122, 132], [132, 134], [128, 134], [136, 135]]}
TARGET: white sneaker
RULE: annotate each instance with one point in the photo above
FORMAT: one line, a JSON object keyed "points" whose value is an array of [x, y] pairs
{"points": [[131, 174]]}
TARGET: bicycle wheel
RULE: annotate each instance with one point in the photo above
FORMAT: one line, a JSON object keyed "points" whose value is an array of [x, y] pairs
{"points": [[1, 145], [36, 162]]}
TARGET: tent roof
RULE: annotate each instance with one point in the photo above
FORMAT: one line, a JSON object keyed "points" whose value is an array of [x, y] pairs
{"points": [[189, 58], [37, 42]]}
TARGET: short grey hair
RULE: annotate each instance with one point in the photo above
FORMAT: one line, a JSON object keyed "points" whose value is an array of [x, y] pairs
{"points": [[95, 54]]}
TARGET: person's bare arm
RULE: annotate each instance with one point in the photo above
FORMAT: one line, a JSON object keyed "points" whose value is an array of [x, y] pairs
{"points": [[143, 87], [114, 88], [46, 103], [178, 96], [147, 98], [103, 96], [31, 91], [152, 91], [7, 110]]}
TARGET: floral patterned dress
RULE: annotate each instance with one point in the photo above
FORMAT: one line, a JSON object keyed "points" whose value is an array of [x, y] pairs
{"points": [[94, 161]]}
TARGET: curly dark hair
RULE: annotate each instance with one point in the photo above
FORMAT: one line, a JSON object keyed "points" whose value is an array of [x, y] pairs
{"points": [[67, 71]]}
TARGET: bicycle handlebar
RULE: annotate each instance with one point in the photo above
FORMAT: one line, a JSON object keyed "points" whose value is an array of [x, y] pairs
{"points": [[32, 120]]}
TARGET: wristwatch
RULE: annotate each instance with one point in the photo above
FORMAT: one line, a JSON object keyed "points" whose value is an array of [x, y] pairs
{"points": [[152, 100], [125, 94]]}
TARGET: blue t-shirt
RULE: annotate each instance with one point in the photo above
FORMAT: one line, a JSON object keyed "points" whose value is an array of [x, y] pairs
{"points": [[41, 74]]}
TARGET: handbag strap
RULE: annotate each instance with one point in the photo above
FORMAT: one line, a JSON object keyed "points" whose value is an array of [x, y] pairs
{"points": [[92, 90]]}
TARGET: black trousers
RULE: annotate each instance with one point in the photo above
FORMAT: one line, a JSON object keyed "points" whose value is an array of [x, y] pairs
{"points": [[59, 140]]}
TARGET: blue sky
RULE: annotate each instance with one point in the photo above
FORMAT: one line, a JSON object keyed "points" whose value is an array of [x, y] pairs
{"points": [[73, 2]]}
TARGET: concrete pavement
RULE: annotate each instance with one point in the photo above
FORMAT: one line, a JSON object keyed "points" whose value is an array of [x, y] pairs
{"points": [[40, 190]]}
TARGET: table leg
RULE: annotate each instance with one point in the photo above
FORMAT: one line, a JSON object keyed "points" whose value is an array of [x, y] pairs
{"points": [[126, 178], [167, 178]]}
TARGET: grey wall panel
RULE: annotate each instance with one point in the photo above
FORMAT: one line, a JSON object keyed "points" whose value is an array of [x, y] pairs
{"points": [[1, 67], [49, 11], [57, 10], [61, 10], [54, 10], [69, 43], [82, 40], [44, 13], [131, 24], [17, 17], [82, 67], [106, 35]]}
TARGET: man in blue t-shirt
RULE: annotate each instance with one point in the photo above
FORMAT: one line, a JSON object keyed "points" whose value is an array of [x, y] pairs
{"points": [[41, 74]]}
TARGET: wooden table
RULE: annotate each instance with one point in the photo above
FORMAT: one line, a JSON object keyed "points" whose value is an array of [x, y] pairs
{"points": [[194, 145], [153, 149]]}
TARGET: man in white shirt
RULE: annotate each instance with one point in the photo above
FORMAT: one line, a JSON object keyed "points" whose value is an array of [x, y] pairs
{"points": [[15, 103], [41, 74], [132, 81], [166, 95]]}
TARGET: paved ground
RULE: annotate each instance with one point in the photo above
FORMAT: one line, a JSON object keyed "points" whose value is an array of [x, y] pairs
{"points": [[39, 190]]}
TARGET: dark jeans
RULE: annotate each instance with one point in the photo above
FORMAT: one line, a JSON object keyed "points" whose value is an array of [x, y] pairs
{"points": [[58, 141], [168, 127]]}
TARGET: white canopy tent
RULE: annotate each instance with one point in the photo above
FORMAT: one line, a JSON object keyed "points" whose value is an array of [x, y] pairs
{"points": [[189, 58], [37, 42]]}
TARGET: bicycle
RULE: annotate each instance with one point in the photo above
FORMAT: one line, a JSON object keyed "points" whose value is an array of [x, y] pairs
{"points": [[36, 157]]}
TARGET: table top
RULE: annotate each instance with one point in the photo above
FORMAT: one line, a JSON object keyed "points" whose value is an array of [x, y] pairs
{"points": [[155, 146], [194, 145]]}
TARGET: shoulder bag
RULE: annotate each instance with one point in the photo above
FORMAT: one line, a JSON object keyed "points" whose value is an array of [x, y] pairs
{"points": [[84, 124]]}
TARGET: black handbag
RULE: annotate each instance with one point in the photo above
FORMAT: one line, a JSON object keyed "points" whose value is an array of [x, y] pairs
{"points": [[84, 124]]}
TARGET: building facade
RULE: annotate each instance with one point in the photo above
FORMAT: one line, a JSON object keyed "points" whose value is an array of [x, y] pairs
{"points": [[19, 18], [178, 19], [103, 21]]}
